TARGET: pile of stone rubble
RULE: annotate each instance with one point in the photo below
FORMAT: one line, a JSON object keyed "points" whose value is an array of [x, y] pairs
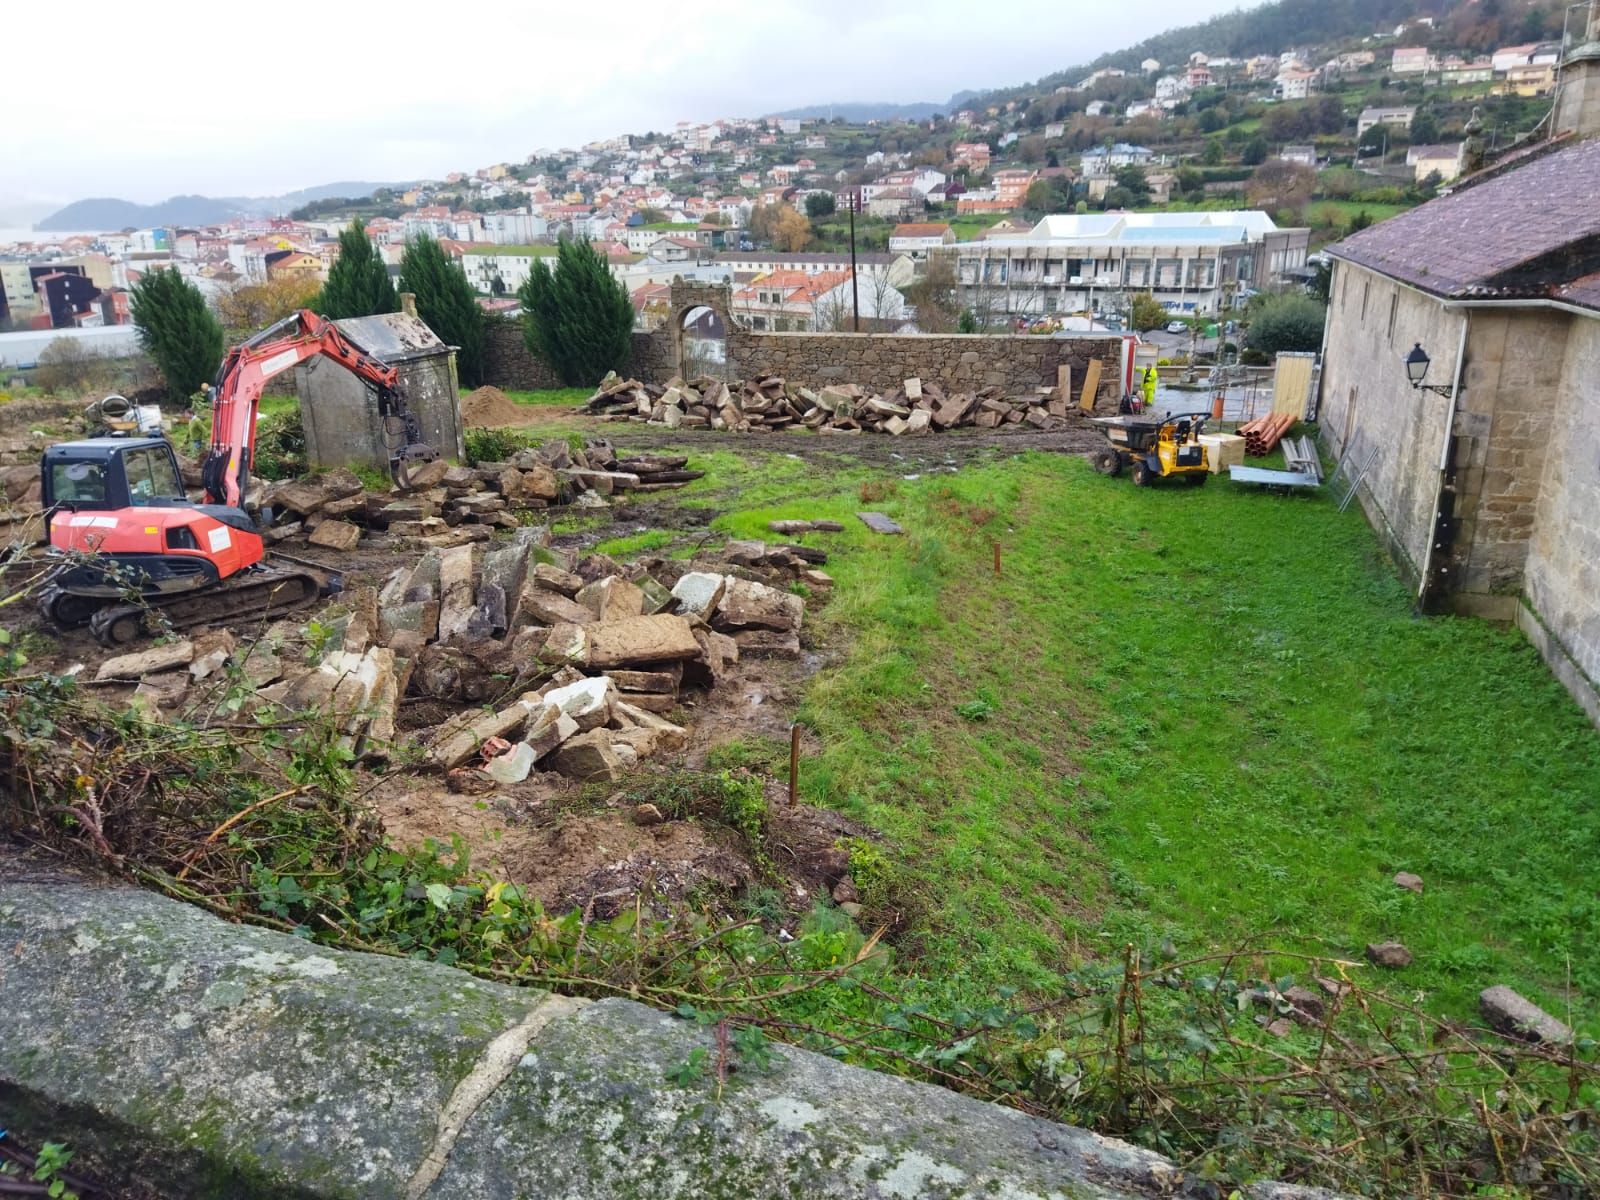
{"points": [[549, 661], [333, 510], [771, 403]]}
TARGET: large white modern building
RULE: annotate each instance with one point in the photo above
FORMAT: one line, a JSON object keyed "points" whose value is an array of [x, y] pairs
{"points": [[1191, 261]]}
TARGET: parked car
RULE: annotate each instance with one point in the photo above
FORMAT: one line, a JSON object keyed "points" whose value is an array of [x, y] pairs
{"points": [[1177, 327]]}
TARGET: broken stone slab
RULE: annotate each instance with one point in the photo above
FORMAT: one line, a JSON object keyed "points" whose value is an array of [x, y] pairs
{"points": [[262, 665], [746, 604], [612, 599], [718, 652], [301, 497], [566, 642], [551, 727], [417, 617], [456, 596], [211, 653], [816, 580], [455, 746], [506, 567], [641, 640], [1518, 1017], [660, 702], [661, 682], [423, 476], [656, 598], [147, 662], [588, 757], [335, 535], [546, 607], [668, 735], [587, 702], [878, 523], [743, 552], [554, 579], [699, 592], [513, 766], [768, 643], [1392, 955]]}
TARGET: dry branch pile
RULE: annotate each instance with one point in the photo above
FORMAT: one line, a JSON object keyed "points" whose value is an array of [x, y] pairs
{"points": [[771, 403]]}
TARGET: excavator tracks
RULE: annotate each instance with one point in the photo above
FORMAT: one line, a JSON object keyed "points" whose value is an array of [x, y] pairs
{"points": [[265, 593]]}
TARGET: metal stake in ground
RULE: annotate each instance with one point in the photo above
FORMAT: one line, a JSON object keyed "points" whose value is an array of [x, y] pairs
{"points": [[794, 762]]}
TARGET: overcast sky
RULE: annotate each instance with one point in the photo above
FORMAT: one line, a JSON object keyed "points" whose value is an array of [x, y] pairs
{"points": [[175, 96]]}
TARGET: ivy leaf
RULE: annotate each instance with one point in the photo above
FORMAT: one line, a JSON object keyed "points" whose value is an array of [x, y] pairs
{"points": [[439, 894]]}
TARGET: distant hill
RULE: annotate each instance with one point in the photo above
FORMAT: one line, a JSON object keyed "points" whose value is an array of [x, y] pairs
{"points": [[859, 111], [106, 213], [1265, 29]]}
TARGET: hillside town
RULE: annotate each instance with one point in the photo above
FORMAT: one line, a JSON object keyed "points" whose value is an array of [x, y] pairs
{"points": [[1200, 182]]}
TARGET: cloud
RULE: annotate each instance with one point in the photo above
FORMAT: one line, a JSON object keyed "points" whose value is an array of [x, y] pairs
{"points": [[184, 96]]}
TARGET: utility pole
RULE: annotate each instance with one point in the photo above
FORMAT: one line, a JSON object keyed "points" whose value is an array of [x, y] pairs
{"points": [[855, 287]]}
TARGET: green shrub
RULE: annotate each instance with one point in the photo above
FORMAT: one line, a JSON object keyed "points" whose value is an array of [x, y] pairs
{"points": [[1287, 323], [493, 445], [280, 446]]}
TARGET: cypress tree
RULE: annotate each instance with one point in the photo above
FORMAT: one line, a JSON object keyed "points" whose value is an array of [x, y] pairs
{"points": [[177, 330], [446, 303], [358, 282], [577, 318]]}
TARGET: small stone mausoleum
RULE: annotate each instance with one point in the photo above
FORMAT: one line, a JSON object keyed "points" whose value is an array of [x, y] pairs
{"points": [[340, 413]]}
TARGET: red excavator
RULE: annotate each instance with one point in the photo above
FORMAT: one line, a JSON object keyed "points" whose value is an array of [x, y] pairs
{"points": [[116, 508]]}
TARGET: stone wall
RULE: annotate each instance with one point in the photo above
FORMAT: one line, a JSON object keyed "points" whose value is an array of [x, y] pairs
{"points": [[882, 362], [507, 363], [1367, 402], [1508, 398], [1561, 609], [205, 1059], [957, 362]]}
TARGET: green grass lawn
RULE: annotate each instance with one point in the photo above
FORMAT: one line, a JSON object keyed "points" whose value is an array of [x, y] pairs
{"points": [[1208, 715], [566, 396], [1343, 210]]}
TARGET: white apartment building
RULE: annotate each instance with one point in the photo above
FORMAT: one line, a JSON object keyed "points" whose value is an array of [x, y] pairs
{"points": [[1191, 261]]}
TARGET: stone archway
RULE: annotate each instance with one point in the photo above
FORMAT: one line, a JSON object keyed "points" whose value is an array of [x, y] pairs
{"points": [[700, 328]]}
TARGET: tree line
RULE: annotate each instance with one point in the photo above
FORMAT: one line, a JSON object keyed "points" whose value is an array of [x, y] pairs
{"points": [[579, 318]]}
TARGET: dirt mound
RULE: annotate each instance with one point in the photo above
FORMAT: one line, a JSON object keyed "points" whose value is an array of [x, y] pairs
{"points": [[490, 406]]}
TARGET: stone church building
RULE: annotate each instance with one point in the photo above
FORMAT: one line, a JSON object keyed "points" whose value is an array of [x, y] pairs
{"points": [[1485, 480]]}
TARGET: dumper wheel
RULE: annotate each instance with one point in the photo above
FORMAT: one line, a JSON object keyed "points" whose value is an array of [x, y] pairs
{"points": [[1141, 475], [1108, 462], [1197, 478]]}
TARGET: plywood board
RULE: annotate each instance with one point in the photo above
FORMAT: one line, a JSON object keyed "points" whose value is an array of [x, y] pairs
{"points": [[1091, 386], [1291, 384], [1064, 384]]}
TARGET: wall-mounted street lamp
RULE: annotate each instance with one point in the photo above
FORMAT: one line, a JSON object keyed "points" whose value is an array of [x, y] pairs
{"points": [[1417, 370]]}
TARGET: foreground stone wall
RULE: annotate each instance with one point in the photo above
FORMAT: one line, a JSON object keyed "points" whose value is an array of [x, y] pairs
{"points": [[213, 1060], [956, 362]]}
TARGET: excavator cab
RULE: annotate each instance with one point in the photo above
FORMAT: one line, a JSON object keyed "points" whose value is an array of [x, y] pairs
{"points": [[107, 473]]}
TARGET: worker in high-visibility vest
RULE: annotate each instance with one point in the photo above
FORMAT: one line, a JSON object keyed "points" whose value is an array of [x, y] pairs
{"points": [[1149, 386]]}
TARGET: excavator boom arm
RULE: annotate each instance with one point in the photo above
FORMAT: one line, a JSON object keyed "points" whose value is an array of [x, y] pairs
{"points": [[236, 395]]}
